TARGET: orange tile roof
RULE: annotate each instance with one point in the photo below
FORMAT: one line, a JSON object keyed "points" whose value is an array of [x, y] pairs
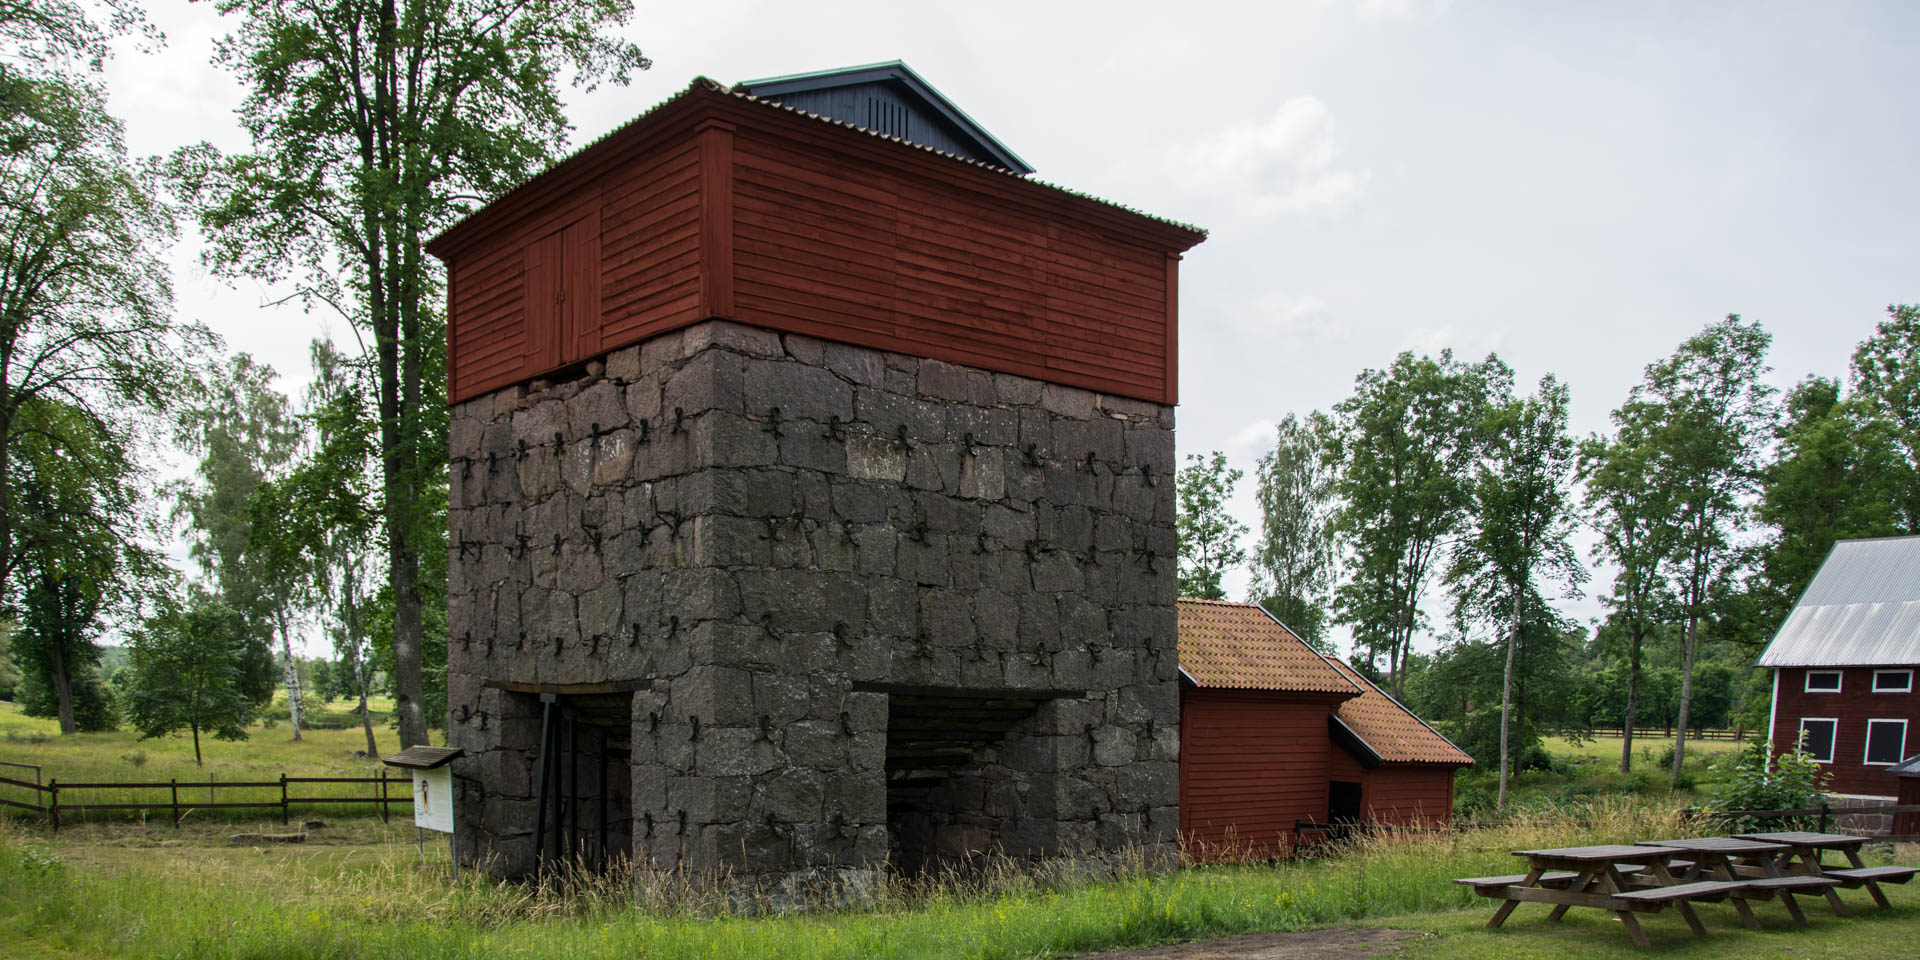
{"points": [[1391, 730], [1237, 646]]}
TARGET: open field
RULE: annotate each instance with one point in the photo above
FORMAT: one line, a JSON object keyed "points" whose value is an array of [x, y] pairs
{"points": [[1647, 749], [356, 890], [123, 756]]}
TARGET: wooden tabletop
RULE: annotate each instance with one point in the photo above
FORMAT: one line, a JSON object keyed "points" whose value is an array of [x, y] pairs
{"points": [[1615, 852], [1800, 838], [1727, 845]]}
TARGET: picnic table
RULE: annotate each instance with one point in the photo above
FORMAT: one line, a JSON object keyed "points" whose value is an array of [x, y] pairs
{"points": [[1752, 864], [1597, 876], [1805, 850]]}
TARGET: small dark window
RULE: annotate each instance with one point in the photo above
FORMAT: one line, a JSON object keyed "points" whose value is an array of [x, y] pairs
{"points": [[1893, 681], [1816, 739], [1343, 801], [1823, 681], [1886, 741]]}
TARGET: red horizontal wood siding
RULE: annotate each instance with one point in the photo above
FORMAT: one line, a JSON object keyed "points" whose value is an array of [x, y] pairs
{"points": [[1409, 795], [930, 268], [1252, 764], [1852, 707], [717, 207]]}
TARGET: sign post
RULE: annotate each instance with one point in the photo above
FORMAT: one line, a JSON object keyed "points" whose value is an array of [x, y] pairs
{"points": [[432, 793]]}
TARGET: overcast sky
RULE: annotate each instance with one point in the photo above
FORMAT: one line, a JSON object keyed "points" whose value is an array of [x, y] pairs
{"points": [[1575, 186]]}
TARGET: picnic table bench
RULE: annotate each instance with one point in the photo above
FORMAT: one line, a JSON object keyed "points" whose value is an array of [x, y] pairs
{"points": [[1597, 876], [1803, 857], [1753, 863]]}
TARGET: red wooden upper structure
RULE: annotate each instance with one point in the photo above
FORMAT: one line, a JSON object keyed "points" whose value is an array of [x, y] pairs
{"points": [[717, 204]]}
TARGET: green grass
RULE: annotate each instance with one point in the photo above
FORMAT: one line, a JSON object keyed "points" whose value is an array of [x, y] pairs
{"points": [[122, 756], [121, 891]]}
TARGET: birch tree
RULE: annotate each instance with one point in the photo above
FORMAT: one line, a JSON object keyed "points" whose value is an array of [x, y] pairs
{"points": [[1630, 511], [1714, 411], [1404, 446], [1208, 536], [1293, 561], [376, 123], [1520, 502]]}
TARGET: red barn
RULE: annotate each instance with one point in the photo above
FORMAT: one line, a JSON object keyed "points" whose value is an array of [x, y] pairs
{"points": [[1275, 737], [1843, 666]]}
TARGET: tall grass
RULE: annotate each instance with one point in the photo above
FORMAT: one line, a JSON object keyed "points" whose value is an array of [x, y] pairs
{"points": [[189, 902]]}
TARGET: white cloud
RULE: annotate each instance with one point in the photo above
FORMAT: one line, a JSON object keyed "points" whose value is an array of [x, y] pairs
{"points": [[1468, 345], [1392, 11], [1250, 441], [1285, 165]]}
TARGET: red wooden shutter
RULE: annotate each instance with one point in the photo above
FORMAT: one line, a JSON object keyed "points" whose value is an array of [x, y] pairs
{"points": [[580, 243], [545, 296]]}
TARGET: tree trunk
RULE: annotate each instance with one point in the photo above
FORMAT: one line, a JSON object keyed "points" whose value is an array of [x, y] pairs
{"points": [[195, 724], [361, 679], [1686, 695], [62, 686], [1506, 703], [1633, 701], [296, 708]]}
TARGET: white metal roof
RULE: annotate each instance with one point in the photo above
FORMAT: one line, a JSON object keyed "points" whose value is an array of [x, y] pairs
{"points": [[1862, 609]]}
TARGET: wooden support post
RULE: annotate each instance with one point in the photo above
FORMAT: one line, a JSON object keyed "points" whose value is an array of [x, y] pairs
{"points": [[383, 795], [176, 802], [1823, 817], [283, 800], [53, 803]]}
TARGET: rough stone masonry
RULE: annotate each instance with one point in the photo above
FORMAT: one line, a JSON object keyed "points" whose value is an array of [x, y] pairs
{"points": [[778, 552]]}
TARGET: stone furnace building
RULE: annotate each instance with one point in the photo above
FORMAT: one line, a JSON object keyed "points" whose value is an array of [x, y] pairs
{"points": [[812, 497]]}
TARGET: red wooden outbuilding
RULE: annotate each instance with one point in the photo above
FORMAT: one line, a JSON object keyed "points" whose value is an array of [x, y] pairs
{"points": [[1843, 666], [1276, 738]]}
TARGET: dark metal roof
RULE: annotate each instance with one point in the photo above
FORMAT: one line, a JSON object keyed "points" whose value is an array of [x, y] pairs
{"points": [[813, 93], [1909, 767], [1862, 609], [424, 758]]}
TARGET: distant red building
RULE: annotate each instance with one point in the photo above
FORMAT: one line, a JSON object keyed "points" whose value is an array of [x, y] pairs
{"points": [[1275, 737], [1844, 662]]}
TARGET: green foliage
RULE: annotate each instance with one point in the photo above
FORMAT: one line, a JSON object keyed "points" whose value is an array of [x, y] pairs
{"points": [[9, 668], [1404, 446], [1293, 562], [240, 428], [374, 124], [1209, 536], [1789, 781], [189, 671], [1886, 389]]}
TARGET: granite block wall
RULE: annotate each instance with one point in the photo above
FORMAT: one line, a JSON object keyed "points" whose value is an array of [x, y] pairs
{"points": [[761, 538]]}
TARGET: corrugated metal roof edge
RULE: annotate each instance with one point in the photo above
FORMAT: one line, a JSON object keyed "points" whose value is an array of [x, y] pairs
{"points": [[717, 87], [1422, 721], [1763, 661]]}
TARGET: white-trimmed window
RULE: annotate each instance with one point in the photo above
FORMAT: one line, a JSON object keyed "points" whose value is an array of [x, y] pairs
{"points": [[1816, 737], [1893, 681], [1823, 681], [1886, 742]]}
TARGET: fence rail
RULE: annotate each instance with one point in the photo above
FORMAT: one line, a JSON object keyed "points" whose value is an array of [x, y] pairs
{"points": [[1655, 734], [52, 806]]}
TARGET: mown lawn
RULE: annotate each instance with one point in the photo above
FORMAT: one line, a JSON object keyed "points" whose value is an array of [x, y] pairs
{"points": [[122, 890]]}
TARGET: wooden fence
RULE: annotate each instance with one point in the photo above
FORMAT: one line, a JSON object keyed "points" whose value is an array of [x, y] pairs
{"points": [[51, 801], [1655, 734]]}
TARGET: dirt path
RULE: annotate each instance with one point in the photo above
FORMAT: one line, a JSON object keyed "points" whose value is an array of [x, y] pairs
{"points": [[1331, 943]]}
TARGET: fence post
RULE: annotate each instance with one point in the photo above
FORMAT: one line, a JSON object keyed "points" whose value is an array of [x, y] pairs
{"points": [[283, 800], [53, 802], [383, 795], [1823, 817], [176, 802]]}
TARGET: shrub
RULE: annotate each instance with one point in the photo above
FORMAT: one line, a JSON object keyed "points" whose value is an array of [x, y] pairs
{"points": [[1791, 781], [138, 758]]}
